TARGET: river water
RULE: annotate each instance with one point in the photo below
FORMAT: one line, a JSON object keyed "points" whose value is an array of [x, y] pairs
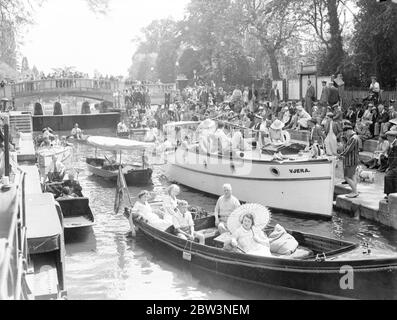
{"points": [[104, 263]]}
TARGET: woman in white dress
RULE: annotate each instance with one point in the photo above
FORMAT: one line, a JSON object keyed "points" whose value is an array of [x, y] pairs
{"points": [[251, 239], [143, 210], [170, 202]]}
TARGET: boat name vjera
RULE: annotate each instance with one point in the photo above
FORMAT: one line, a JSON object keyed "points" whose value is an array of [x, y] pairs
{"points": [[295, 171]]}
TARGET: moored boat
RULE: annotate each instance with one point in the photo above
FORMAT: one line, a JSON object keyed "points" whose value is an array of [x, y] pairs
{"points": [[45, 156], [136, 174], [76, 211], [46, 275], [326, 271], [295, 183]]}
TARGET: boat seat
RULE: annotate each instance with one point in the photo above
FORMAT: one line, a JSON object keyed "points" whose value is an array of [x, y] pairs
{"points": [[74, 207], [209, 233]]}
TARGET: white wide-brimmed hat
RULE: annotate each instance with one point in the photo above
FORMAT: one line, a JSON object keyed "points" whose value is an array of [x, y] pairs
{"points": [[262, 216], [277, 125]]}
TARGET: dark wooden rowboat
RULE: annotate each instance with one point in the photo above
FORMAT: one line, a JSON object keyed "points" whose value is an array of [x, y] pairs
{"points": [[321, 273], [76, 212], [136, 176]]}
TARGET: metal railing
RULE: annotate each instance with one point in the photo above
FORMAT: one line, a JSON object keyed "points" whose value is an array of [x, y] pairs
{"points": [[67, 84], [13, 263]]}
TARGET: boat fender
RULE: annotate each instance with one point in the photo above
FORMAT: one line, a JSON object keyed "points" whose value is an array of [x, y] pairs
{"points": [[233, 167]]}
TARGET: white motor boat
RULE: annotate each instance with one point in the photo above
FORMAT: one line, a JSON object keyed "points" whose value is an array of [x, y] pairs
{"points": [[295, 183]]}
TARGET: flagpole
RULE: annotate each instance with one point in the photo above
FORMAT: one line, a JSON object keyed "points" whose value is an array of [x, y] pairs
{"points": [[122, 175]]}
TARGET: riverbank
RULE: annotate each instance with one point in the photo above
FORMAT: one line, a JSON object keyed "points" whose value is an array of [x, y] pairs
{"points": [[371, 204]]}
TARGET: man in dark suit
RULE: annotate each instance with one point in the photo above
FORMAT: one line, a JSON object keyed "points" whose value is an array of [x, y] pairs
{"points": [[391, 173], [310, 98], [333, 95]]}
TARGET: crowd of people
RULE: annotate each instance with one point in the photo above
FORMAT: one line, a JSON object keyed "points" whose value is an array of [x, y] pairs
{"points": [[331, 129]]}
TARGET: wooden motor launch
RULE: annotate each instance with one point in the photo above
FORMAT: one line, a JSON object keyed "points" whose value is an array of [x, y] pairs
{"points": [[295, 183], [135, 174], [322, 269]]}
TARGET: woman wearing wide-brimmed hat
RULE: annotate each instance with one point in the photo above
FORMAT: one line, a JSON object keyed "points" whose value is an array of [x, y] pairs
{"points": [[276, 133], [246, 224]]}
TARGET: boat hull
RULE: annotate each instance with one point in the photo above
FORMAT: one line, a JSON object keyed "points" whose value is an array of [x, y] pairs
{"points": [[77, 214], [310, 277], [138, 177], [299, 186]]}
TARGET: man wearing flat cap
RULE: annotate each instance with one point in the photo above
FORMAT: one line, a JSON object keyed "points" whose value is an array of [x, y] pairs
{"points": [[391, 173], [350, 156]]}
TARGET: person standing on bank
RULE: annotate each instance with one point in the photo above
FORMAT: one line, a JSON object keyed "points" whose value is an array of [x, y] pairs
{"points": [[391, 172], [350, 156], [310, 97]]}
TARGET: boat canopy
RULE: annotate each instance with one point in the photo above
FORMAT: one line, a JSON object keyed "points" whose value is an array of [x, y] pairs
{"points": [[115, 144]]}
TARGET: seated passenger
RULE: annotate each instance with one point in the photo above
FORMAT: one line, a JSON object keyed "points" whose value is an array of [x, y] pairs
{"points": [[317, 132], [170, 202], [239, 143], [57, 170], [74, 185], [224, 208], [381, 155], [66, 194], [301, 119], [143, 211], [276, 133], [222, 141], [46, 143], [76, 132], [250, 239], [184, 225]]}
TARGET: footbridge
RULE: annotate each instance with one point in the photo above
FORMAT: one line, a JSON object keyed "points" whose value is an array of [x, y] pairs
{"points": [[101, 90]]}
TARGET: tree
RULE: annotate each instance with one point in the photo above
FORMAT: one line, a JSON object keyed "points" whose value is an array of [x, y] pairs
{"points": [[190, 62], [375, 42], [323, 17], [273, 23], [161, 37]]}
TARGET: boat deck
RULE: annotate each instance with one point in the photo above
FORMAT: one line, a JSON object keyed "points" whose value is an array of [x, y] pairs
{"points": [[43, 280], [26, 152], [40, 208], [32, 181]]}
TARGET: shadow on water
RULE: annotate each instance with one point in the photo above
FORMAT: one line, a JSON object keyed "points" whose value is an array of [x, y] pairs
{"points": [[80, 241]]}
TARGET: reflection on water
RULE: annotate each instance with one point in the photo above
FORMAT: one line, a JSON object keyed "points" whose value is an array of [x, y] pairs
{"points": [[103, 263]]}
